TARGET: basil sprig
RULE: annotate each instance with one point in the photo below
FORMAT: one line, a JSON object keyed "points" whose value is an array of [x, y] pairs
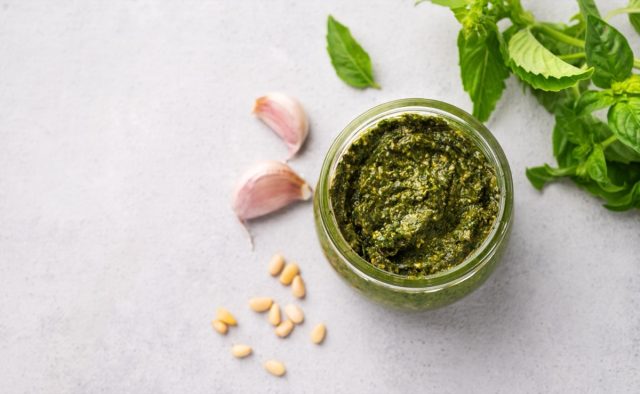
{"points": [[483, 68], [579, 71]]}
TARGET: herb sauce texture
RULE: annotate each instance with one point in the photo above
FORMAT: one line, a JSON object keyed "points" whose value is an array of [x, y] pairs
{"points": [[414, 196]]}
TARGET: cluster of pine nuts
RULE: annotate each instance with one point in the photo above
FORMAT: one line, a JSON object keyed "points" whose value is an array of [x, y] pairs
{"points": [[223, 320], [294, 315]]}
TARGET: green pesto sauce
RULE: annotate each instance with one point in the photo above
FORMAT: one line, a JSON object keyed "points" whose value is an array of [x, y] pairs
{"points": [[414, 196]]}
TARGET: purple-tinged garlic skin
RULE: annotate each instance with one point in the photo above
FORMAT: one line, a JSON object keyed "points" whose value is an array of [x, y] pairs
{"points": [[286, 117], [267, 187]]}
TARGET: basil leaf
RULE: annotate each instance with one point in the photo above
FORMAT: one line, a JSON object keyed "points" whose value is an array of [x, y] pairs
{"points": [[608, 52], [634, 18], [539, 67], [607, 191], [351, 62], [562, 147], [610, 187], [593, 100], [482, 69], [626, 201], [624, 120], [621, 153], [577, 129], [568, 133], [596, 165], [540, 176], [588, 7]]}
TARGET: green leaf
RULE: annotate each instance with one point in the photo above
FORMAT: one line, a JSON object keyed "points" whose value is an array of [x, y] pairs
{"points": [[596, 165], [482, 69], [634, 18], [539, 67], [564, 136], [610, 187], [624, 120], [588, 7], [561, 145], [607, 191], [540, 176], [595, 129], [608, 52], [577, 129], [621, 153], [625, 201], [351, 62], [593, 100]]}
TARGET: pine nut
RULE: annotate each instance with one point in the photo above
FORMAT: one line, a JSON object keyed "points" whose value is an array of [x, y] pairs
{"points": [[294, 313], [318, 333], [220, 327], [226, 317], [275, 368], [241, 351], [276, 264], [274, 314], [297, 287], [289, 272], [284, 329], [260, 304]]}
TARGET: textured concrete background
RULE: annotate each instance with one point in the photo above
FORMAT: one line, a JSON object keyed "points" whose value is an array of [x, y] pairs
{"points": [[123, 126]]}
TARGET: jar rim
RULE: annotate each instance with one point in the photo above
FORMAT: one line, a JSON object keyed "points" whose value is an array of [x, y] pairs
{"points": [[483, 139]]}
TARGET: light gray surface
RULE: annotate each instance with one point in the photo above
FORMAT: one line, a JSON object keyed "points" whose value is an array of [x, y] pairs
{"points": [[123, 126]]}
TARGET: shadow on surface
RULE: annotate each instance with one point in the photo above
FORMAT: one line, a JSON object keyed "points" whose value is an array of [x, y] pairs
{"points": [[498, 306]]}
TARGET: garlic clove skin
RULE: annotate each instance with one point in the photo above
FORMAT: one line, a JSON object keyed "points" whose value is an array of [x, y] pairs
{"points": [[286, 117], [267, 187]]}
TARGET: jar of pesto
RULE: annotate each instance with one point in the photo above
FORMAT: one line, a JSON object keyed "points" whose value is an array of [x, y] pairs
{"points": [[414, 203]]}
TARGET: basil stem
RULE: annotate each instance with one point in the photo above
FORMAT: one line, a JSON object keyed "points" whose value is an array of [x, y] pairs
{"points": [[558, 35], [608, 141], [624, 10], [573, 56]]}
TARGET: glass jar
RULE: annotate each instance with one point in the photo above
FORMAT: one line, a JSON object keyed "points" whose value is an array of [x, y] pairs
{"points": [[435, 290]]}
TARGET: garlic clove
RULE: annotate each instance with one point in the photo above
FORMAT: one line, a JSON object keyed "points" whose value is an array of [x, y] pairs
{"points": [[286, 117], [267, 187]]}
